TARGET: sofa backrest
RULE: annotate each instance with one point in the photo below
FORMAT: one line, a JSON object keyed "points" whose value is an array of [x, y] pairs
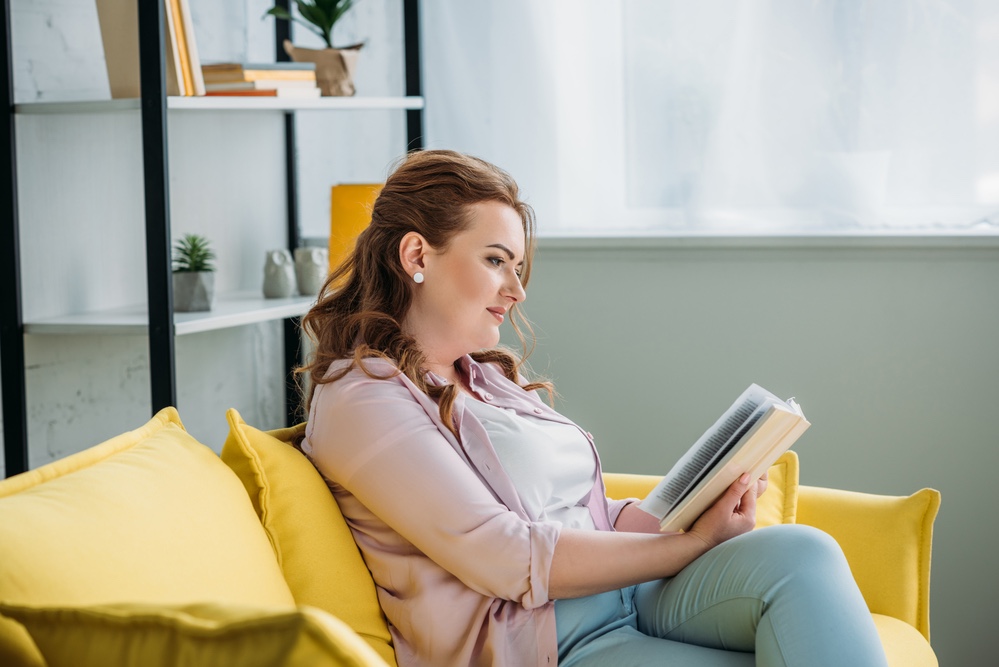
{"points": [[150, 516]]}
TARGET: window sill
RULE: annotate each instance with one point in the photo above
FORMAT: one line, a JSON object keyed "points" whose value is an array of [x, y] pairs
{"points": [[819, 240]]}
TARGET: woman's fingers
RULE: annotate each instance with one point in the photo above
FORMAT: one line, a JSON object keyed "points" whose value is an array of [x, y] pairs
{"points": [[762, 483]]}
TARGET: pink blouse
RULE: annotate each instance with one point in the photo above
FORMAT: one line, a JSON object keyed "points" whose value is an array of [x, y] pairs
{"points": [[460, 566]]}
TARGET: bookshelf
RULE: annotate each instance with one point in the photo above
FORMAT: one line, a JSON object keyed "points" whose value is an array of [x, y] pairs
{"points": [[155, 318]]}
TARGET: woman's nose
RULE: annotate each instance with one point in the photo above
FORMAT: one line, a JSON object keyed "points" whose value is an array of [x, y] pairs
{"points": [[515, 289]]}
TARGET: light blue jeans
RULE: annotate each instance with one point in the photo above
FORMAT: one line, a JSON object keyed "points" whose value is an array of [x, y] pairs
{"points": [[778, 596]]}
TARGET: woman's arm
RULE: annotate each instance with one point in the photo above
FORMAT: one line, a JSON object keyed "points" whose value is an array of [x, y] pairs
{"points": [[589, 562], [634, 520]]}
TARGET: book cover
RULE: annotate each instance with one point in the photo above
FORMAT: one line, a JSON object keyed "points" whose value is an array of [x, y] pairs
{"points": [[267, 92], [239, 67], [260, 84], [177, 67], [188, 44], [748, 437], [230, 72], [119, 24]]}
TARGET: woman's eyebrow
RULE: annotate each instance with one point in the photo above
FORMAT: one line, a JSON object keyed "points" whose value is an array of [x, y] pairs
{"points": [[503, 248]]}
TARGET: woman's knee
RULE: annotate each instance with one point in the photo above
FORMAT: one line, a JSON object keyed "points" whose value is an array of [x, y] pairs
{"points": [[802, 548], [808, 539]]}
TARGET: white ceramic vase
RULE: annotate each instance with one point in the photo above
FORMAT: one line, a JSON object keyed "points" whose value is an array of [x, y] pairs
{"points": [[311, 268], [279, 274]]}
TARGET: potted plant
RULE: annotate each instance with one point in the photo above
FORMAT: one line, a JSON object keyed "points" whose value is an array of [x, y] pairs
{"points": [[334, 65], [193, 274]]}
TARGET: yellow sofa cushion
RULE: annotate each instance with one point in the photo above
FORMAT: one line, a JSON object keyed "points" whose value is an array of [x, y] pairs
{"points": [[314, 546], [776, 506], [904, 645], [149, 516], [887, 541], [202, 635]]}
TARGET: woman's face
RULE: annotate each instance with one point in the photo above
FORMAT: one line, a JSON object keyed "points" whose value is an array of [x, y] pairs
{"points": [[469, 288]]}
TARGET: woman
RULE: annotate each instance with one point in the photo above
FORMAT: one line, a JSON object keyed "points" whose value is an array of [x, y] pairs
{"points": [[480, 510]]}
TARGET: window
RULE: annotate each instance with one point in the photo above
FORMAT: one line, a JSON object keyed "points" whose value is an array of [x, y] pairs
{"points": [[728, 117]]}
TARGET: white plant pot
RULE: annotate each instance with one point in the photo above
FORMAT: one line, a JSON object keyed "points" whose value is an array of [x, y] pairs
{"points": [[193, 291]]}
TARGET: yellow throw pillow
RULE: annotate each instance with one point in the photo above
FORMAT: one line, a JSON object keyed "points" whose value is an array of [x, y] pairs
{"points": [[150, 515], [208, 635], [314, 546], [776, 506]]}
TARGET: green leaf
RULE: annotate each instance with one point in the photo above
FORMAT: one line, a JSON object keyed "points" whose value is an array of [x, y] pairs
{"points": [[340, 7], [279, 12], [318, 16], [193, 253]]}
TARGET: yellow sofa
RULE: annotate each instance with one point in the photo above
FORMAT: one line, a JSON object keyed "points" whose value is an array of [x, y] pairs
{"points": [[149, 549]]}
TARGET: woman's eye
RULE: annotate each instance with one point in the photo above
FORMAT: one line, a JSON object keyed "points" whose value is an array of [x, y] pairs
{"points": [[496, 261]]}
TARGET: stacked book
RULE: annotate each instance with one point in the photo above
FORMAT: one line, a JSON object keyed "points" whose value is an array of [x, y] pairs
{"points": [[261, 79]]}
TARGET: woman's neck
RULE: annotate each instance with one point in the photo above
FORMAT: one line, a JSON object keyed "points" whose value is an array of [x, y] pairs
{"points": [[450, 373]]}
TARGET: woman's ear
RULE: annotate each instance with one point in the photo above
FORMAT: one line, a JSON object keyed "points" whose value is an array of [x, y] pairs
{"points": [[413, 248]]}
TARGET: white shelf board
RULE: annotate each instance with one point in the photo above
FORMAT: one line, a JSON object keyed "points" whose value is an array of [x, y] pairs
{"points": [[83, 106], [223, 103], [228, 310], [237, 103]]}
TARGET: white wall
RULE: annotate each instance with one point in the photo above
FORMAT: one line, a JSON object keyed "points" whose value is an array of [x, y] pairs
{"points": [[891, 352]]}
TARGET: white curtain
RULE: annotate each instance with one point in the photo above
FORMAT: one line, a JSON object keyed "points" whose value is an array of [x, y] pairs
{"points": [[726, 116]]}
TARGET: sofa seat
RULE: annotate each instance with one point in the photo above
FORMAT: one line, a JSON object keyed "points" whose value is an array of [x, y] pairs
{"points": [[150, 545]]}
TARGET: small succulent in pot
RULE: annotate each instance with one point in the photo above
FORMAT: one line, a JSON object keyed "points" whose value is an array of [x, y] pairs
{"points": [[193, 274]]}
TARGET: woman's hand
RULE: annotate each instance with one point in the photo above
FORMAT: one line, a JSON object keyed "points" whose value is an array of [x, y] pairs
{"points": [[733, 514]]}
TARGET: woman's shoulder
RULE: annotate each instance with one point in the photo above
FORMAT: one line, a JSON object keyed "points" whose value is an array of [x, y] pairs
{"points": [[350, 388], [379, 365], [349, 373]]}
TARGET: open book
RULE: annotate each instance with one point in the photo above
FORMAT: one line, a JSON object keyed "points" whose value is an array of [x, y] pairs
{"points": [[748, 437]]}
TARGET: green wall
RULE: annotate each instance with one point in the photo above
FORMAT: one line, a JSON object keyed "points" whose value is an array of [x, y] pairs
{"points": [[890, 346]]}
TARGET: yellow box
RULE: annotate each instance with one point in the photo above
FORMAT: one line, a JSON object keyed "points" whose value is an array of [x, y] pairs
{"points": [[350, 213]]}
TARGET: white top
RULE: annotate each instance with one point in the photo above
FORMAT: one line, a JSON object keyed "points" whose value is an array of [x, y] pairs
{"points": [[551, 464]]}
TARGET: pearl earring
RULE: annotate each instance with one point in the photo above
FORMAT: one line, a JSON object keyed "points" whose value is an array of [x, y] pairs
{"points": [[417, 277]]}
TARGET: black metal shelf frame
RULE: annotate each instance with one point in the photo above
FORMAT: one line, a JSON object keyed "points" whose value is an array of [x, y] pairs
{"points": [[15, 407], [162, 355]]}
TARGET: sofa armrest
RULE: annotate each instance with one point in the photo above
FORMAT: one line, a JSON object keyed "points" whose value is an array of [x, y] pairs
{"points": [[621, 485], [887, 541]]}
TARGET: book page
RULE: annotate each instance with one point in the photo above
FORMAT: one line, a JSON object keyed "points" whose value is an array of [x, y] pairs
{"points": [[714, 443]]}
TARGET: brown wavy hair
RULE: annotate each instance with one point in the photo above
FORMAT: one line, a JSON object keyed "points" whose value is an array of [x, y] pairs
{"points": [[365, 298]]}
